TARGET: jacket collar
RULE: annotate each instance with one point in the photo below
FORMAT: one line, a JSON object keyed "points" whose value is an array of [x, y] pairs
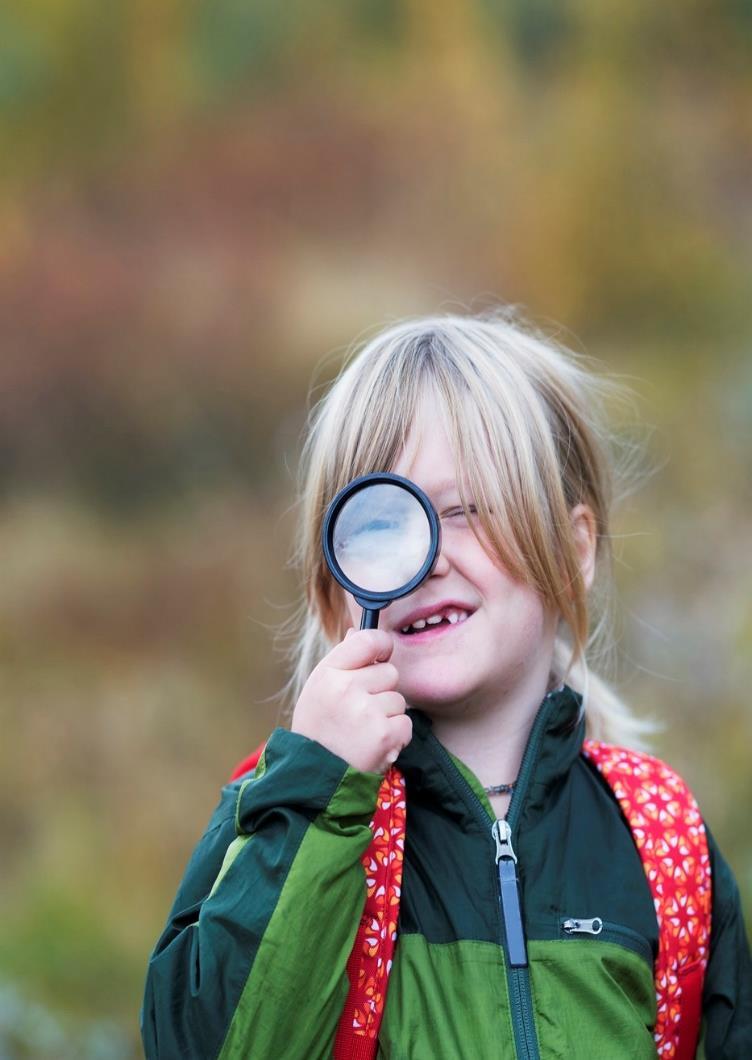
{"points": [[554, 743]]}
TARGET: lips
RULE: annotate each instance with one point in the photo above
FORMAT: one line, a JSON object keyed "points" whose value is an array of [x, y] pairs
{"points": [[434, 617]]}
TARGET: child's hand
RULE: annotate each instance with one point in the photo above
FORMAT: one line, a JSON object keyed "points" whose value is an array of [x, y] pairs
{"points": [[350, 705]]}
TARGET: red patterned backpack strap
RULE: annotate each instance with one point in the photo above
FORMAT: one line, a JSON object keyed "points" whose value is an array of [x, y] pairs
{"points": [[370, 960], [672, 843]]}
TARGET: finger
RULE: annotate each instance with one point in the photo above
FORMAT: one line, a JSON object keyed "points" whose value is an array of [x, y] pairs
{"points": [[380, 677], [400, 734], [361, 648], [391, 704]]}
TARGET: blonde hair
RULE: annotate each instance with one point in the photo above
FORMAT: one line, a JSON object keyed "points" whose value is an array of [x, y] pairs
{"points": [[528, 422]]}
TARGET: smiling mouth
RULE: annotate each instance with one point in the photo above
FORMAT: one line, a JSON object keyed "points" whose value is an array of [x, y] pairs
{"points": [[435, 623]]}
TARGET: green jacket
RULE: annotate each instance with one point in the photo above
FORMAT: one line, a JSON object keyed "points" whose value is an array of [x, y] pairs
{"points": [[252, 961]]}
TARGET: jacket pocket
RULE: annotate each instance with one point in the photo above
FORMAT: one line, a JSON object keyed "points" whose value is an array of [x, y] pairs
{"points": [[572, 927]]}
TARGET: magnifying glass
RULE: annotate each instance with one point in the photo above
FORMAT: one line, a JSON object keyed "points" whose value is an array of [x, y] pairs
{"points": [[381, 537]]}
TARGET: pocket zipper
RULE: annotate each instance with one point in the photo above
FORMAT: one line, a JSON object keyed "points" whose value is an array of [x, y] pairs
{"points": [[608, 932], [583, 927]]}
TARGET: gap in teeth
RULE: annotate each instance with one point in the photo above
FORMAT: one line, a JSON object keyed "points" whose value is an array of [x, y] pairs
{"points": [[452, 617]]}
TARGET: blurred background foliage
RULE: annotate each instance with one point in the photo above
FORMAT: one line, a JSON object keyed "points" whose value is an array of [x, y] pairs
{"points": [[201, 206]]}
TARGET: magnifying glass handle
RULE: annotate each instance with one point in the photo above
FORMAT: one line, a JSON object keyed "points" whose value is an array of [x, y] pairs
{"points": [[370, 618]]}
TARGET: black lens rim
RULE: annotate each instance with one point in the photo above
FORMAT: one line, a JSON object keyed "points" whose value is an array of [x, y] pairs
{"points": [[369, 598]]}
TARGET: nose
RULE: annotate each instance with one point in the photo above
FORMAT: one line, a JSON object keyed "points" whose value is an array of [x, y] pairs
{"points": [[441, 567]]}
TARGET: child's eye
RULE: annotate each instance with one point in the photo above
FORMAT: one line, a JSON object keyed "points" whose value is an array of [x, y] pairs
{"points": [[455, 513]]}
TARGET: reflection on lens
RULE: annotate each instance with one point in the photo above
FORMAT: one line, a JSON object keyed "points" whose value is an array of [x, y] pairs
{"points": [[381, 537]]}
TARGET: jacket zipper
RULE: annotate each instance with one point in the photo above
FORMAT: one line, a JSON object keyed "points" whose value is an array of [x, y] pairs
{"points": [[509, 894], [518, 974], [518, 971]]}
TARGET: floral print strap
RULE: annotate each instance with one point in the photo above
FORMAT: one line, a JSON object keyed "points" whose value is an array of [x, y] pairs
{"points": [[671, 840], [371, 958]]}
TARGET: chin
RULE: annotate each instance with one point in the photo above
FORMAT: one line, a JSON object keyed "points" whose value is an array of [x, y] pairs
{"points": [[439, 701], [436, 708], [439, 682]]}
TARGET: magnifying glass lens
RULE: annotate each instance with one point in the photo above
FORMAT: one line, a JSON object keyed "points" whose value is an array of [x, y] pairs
{"points": [[381, 537]]}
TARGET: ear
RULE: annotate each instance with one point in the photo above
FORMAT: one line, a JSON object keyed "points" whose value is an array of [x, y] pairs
{"points": [[586, 539]]}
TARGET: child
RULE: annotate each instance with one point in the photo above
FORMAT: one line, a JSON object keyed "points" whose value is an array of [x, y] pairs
{"points": [[477, 686]]}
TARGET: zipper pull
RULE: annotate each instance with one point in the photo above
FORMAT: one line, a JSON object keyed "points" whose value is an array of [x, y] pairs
{"points": [[583, 927], [509, 894], [502, 834]]}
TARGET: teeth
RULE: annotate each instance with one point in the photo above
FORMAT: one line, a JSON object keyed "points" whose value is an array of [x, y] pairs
{"points": [[453, 617]]}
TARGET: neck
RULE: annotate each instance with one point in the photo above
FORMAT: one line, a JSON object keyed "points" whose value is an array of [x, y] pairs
{"points": [[492, 742]]}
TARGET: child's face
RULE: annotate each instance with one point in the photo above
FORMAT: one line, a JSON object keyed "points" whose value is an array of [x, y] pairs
{"points": [[495, 637]]}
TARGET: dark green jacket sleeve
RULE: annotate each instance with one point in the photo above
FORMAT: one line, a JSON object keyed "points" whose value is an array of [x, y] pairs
{"points": [[727, 996], [252, 961]]}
